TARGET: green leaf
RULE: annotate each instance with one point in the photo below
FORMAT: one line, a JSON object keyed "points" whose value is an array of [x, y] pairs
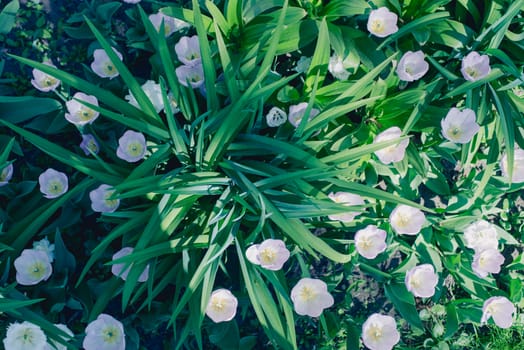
{"points": [[344, 8], [320, 60], [470, 85], [65, 261], [404, 303], [417, 24], [263, 302], [225, 335], [85, 165], [21, 109], [9, 305], [8, 16], [207, 61]]}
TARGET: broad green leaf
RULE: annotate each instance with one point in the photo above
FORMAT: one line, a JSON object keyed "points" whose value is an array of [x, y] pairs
{"points": [[19, 109], [8, 16]]}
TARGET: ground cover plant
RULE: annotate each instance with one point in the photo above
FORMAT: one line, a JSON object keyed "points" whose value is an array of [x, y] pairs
{"points": [[261, 174]]}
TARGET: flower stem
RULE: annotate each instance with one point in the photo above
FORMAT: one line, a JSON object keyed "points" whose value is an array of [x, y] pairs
{"points": [[374, 271]]}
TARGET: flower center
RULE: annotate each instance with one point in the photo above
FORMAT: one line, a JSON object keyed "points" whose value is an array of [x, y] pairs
{"points": [[134, 149], [195, 78], [307, 293], [192, 56], [55, 187], [414, 281], [472, 72], [377, 26], [110, 334], [3, 174], [109, 69], [37, 270], [85, 113], [26, 337], [365, 243], [49, 81], [218, 304], [402, 220], [267, 255], [110, 202], [92, 146], [375, 332], [454, 132]]}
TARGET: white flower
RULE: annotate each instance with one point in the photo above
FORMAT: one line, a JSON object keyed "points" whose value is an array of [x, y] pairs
{"points": [[24, 336], [32, 267], [132, 1], [459, 126], [501, 309], [475, 66], [412, 66], [171, 24], [347, 199], [188, 50], [118, 269], [370, 241], [44, 82], [79, 114], [222, 306], [303, 64], [487, 261], [46, 247], [310, 297], [421, 280], [270, 254], [193, 74], [101, 201], [296, 113], [55, 345], [131, 146], [103, 66], [393, 153], [276, 117], [89, 144], [518, 165], [481, 235], [6, 174], [379, 332], [53, 183], [104, 333], [337, 69], [382, 22], [406, 220], [153, 92]]}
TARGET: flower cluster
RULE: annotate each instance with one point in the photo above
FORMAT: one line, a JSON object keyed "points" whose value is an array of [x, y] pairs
{"points": [[482, 237], [191, 72]]}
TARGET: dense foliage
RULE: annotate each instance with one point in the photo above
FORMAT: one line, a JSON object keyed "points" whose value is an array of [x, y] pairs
{"points": [[249, 174]]}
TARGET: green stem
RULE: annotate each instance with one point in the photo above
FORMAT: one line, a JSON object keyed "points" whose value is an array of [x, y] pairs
{"points": [[374, 271]]}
